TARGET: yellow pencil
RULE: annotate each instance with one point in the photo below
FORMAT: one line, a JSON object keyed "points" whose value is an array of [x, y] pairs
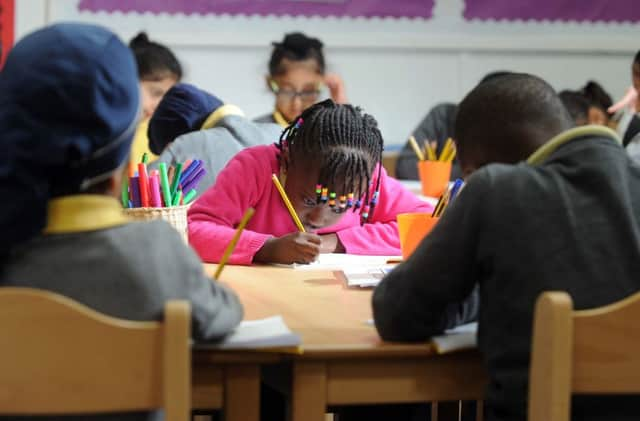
{"points": [[445, 149], [416, 148], [431, 154], [287, 202], [452, 154], [227, 252]]}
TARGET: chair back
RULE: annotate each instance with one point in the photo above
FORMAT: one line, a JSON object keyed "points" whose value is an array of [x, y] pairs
{"points": [[595, 351], [60, 357]]}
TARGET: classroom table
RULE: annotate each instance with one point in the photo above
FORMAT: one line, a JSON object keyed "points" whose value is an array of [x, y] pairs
{"points": [[343, 360]]}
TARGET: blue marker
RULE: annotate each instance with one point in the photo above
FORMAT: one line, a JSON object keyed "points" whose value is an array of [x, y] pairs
{"points": [[457, 185]]}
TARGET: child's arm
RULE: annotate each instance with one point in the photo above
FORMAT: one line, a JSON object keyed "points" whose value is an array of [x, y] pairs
{"points": [[434, 289], [214, 216], [380, 235]]}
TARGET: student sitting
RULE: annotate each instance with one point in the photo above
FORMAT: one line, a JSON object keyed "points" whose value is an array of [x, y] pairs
{"points": [[329, 164], [190, 123], [158, 71], [69, 102], [577, 106], [297, 75], [437, 126], [566, 219]]}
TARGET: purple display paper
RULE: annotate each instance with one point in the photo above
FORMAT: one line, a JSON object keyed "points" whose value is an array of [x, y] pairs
{"points": [[347, 8], [554, 10]]}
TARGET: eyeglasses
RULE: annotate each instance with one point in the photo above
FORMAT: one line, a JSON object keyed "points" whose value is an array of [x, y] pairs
{"points": [[308, 96]]}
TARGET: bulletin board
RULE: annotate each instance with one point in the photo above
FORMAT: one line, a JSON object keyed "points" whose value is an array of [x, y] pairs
{"points": [[323, 8], [553, 10], [7, 22]]}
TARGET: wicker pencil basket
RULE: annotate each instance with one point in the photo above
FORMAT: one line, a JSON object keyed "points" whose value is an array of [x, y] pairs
{"points": [[176, 216]]}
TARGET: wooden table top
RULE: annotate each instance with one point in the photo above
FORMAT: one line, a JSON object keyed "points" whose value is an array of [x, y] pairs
{"points": [[331, 318]]}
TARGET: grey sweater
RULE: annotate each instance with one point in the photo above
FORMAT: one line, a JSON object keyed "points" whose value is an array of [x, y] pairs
{"points": [[128, 271], [571, 223], [437, 125], [216, 146]]}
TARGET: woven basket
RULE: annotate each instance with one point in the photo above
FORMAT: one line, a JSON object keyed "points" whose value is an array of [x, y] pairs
{"points": [[176, 216]]}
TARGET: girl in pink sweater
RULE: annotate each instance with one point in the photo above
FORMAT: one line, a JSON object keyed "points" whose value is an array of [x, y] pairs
{"points": [[329, 164]]}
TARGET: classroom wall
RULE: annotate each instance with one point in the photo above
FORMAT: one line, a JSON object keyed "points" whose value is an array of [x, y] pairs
{"points": [[395, 68]]}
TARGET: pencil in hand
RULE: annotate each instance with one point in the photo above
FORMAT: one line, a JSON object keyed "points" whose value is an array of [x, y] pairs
{"points": [[232, 245], [287, 203]]}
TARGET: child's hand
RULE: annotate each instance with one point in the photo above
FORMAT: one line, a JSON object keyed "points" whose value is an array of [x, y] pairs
{"points": [[629, 100], [331, 244], [336, 88], [299, 247]]}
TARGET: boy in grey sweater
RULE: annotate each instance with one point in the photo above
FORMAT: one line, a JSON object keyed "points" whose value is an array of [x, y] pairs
{"points": [[566, 219], [69, 102]]}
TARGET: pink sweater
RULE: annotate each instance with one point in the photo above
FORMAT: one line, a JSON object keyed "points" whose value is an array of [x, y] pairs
{"points": [[246, 182]]}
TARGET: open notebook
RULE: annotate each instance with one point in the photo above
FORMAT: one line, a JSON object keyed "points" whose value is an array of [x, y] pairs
{"points": [[271, 332], [358, 270]]}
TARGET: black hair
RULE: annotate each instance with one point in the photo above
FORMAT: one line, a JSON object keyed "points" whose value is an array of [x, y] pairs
{"points": [[507, 118], [597, 96], [636, 58], [577, 105], [155, 61], [347, 144], [494, 75], [295, 46]]}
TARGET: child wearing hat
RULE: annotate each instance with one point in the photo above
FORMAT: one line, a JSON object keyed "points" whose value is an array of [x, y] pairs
{"points": [[190, 123], [69, 105]]}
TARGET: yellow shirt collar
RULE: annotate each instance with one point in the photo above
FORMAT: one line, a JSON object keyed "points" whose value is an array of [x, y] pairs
{"points": [[279, 119], [84, 212], [219, 114], [550, 147]]}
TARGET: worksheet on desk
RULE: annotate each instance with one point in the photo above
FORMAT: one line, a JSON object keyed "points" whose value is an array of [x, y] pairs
{"points": [[358, 271]]}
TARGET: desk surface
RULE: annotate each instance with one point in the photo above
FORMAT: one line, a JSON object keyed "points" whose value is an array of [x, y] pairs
{"points": [[331, 318]]}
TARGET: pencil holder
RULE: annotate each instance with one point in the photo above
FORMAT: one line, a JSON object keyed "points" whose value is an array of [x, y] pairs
{"points": [[434, 177], [413, 227], [176, 216]]}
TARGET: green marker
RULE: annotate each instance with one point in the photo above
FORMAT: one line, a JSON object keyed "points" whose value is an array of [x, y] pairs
{"points": [[176, 198], [145, 158], [189, 197], [176, 180], [164, 184], [125, 192]]}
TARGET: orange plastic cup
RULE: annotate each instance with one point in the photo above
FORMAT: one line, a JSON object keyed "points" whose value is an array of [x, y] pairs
{"points": [[434, 176], [413, 227]]}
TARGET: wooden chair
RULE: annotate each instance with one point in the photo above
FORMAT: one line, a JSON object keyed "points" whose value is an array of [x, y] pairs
{"points": [[594, 351], [60, 357]]}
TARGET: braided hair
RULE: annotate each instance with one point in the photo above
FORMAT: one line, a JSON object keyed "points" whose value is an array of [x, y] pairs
{"points": [[347, 144]]}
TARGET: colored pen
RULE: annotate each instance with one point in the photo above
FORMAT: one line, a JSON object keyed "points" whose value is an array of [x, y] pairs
{"points": [[192, 183], [232, 245], [154, 187], [189, 196], [457, 185], [190, 169], [176, 179], [124, 192], [164, 184], [144, 185], [134, 191], [287, 203]]}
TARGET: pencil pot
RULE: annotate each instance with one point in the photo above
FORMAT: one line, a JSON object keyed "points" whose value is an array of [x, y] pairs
{"points": [[413, 227], [176, 216], [434, 177]]}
